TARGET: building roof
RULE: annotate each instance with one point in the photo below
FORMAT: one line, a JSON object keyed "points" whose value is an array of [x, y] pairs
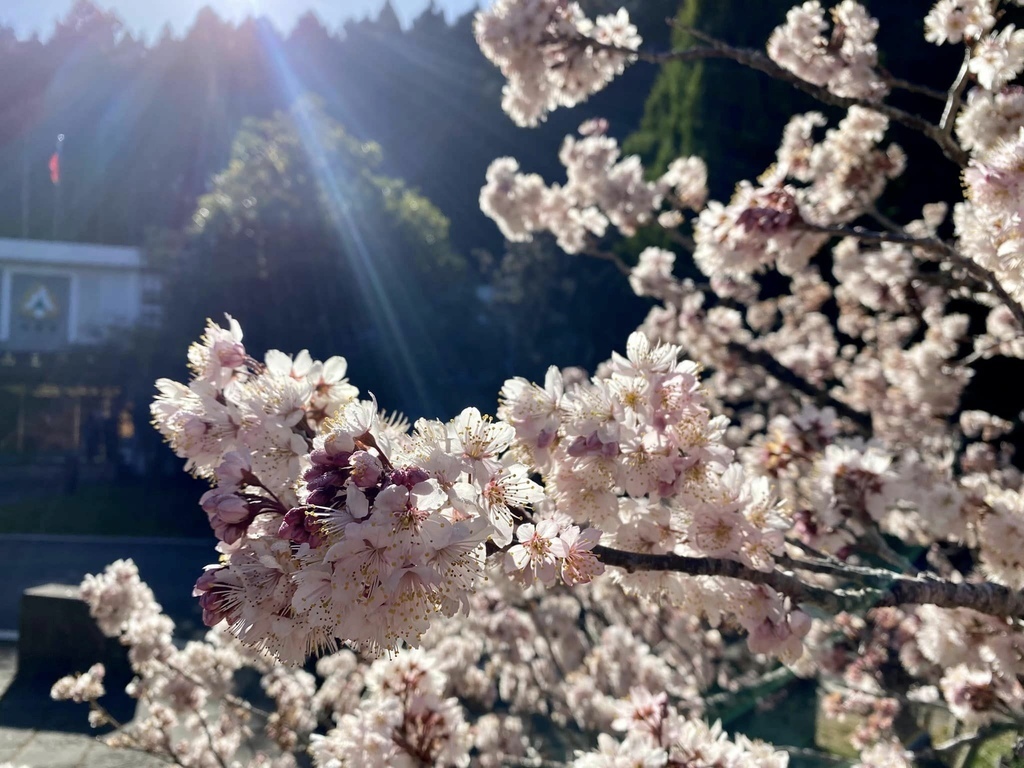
{"points": [[69, 254]]}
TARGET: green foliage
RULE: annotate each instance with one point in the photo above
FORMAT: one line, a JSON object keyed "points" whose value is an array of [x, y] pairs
{"points": [[150, 125], [416, 217], [301, 238], [1004, 750], [731, 116], [668, 128]]}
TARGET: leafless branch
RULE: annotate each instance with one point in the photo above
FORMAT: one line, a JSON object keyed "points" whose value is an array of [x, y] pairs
{"points": [[935, 245], [956, 93], [777, 370], [714, 48], [906, 85], [209, 739], [683, 241], [984, 597], [597, 253]]}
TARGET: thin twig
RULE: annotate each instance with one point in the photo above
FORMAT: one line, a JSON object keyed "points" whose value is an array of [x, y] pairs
{"points": [[906, 85], [773, 678], [209, 739], [597, 253], [956, 93], [815, 754], [973, 736], [882, 219], [525, 762], [935, 245], [861, 420], [118, 726], [754, 59], [832, 684], [229, 697], [683, 241], [872, 542]]}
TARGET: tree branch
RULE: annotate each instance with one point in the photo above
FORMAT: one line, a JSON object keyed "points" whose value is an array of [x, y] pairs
{"points": [[956, 92], [832, 601], [777, 370], [769, 682], [754, 59], [985, 732], [875, 578], [935, 245], [905, 85], [984, 597], [597, 253]]}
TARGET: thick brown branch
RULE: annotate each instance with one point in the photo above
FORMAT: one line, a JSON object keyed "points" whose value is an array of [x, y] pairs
{"points": [[985, 597], [875, 578], [832, 601]]}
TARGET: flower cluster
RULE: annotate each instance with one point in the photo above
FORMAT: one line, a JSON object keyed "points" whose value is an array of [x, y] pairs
{"points": [[577, 56], [665, 738], [845, 63], [186, 689], [365, 531], [602, 189], [236, 405], [518, 659], [953, 21], [85, 687], [404, 721], [638, 453], [870, 332], [991, 223]]}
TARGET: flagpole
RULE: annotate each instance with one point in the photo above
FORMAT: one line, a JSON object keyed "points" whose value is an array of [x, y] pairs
{"points": [[24, 188], [56, 208]]}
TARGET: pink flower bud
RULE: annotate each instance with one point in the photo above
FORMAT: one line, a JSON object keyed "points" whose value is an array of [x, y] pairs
{"points": [[409, 476], [227, 507], [293, 527]]}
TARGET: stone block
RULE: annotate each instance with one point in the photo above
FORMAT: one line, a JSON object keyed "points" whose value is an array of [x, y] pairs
{"points": [[57, 637]]}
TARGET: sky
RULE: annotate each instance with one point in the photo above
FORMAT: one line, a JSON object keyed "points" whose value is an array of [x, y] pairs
{"points": [[148, 16]]}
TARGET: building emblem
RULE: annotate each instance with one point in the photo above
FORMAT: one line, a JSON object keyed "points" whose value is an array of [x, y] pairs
{"points": [[39, 303]]}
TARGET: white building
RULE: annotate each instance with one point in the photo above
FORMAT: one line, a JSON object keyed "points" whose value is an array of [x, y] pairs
{"points": [[55, 295]]}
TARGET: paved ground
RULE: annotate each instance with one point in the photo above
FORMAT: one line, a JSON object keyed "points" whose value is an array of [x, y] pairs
{"points": [[34, 731], [47, 743], [169, 566]]}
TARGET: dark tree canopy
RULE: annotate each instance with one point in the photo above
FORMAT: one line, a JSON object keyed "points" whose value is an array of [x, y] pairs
{"points": [[302, 238]]}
